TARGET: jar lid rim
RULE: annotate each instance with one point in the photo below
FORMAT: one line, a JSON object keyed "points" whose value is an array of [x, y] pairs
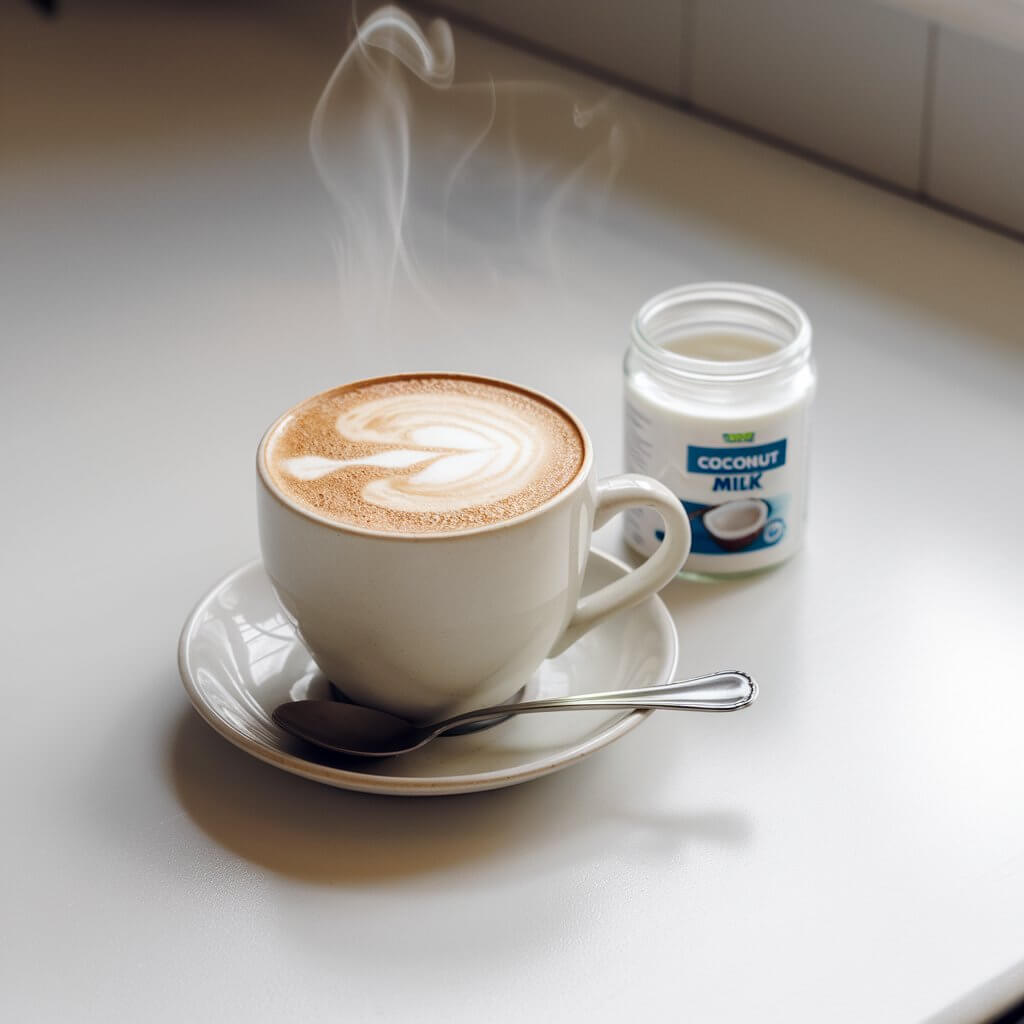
{"points": [[790, 354]]}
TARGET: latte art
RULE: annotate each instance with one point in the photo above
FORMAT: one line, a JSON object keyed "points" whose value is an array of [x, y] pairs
{"points": [[425, 454], [466, 451]]}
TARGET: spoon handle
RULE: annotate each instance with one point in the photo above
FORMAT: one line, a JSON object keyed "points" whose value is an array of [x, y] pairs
{"points": [[719, 691]]}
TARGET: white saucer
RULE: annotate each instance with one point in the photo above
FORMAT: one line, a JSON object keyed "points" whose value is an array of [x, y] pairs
{"points": [[239, 658]]}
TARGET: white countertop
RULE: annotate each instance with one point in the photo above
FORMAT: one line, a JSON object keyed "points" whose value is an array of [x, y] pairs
{"points": [[850, 850]]}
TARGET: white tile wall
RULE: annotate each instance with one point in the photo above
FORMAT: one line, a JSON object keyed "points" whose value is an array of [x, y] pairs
{"points": [[976, 156], [638, 40], [844, 78], [856, 81]]}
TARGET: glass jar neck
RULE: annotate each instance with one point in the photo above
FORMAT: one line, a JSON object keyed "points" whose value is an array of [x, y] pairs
{"points": [[723, 335]]}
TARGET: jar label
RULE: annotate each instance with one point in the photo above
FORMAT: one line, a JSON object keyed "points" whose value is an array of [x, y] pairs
{"points": [[744, 493]]}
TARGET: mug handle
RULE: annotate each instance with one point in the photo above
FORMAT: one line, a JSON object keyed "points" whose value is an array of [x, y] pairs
{"points": [[614, 495]]}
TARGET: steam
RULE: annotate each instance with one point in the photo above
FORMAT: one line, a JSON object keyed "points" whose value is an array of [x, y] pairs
{"points": [[451, 194]]}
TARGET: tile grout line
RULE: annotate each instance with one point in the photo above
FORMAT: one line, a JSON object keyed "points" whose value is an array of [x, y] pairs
{"points": [[928, 109]]}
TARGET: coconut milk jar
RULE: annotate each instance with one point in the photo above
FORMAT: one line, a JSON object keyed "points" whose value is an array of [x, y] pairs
{"points": [[719, 384]]}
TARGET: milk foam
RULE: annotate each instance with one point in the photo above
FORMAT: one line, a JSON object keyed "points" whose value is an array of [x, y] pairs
{"points": [[428, 453]]}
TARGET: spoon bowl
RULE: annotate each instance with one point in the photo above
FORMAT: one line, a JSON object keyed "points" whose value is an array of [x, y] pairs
{"points": [[367, 732]]}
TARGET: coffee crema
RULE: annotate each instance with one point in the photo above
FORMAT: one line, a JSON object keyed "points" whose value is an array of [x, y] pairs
{"points": [[424, 454]]}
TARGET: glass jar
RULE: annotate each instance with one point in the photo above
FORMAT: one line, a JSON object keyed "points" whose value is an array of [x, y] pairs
{"points": [[718, 392]]}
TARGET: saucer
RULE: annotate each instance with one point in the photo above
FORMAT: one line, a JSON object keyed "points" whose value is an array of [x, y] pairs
{"points": [[239, 658]]}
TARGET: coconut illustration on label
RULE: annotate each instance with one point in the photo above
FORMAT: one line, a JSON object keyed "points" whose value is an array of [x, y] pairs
{"points": [[737, 524]]}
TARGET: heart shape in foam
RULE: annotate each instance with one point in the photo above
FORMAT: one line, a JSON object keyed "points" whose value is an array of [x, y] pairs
{"points": [[472, 451]]}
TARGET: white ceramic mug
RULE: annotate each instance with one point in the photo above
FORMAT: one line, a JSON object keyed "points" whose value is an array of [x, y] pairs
{"points": [[425, 626]]}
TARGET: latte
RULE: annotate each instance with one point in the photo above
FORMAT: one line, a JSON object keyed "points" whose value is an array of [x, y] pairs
{"points": [[422, 454]]}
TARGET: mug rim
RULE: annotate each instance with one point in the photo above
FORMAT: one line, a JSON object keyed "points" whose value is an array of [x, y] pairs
{"points": [[577, 481]]}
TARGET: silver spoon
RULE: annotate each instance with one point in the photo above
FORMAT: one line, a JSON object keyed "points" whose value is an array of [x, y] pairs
{"points": [[366, 732]]}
